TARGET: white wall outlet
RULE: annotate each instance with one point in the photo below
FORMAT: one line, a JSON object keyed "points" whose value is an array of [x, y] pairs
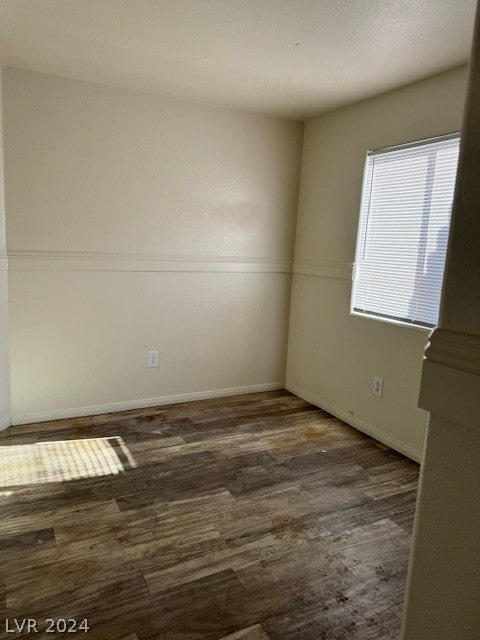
{"points": [[152, 359], [378, 387]]}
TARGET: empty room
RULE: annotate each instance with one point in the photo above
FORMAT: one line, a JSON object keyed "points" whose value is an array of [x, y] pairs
{"points": [[240, 319]]}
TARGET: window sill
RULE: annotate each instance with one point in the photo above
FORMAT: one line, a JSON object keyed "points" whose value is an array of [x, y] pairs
{"points": [[398, 323]]}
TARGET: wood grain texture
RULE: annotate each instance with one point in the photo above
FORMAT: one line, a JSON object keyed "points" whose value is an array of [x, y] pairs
{"points": [[256, 517]]}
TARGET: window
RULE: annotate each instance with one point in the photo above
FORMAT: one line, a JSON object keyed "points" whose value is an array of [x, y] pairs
{"points": [[403, 231]]}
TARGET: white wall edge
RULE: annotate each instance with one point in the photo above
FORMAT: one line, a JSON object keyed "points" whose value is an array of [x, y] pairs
{"points": [[144, 262], [77, 412], [4, 423], [323, 268], [357, 424]]}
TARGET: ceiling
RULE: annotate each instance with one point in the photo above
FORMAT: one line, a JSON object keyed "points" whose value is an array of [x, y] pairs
{"points": [[292, 58]]}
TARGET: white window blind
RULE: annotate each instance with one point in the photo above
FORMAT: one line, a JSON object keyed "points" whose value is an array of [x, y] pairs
{"points": [[403, 231]]}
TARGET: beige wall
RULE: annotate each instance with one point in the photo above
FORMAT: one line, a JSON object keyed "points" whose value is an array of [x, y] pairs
{"points": [[4, 347], [136, 222], [443, 593], [333, 356]]}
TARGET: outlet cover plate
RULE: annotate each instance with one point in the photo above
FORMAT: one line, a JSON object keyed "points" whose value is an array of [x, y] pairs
{"points": [[152, 359], [378, 387]]}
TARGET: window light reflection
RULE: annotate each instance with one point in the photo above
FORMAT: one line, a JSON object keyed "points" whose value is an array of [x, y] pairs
{"points": [[44, 462]]}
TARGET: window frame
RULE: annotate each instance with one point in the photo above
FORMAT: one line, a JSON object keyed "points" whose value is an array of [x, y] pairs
{"points": [[371, 153]]}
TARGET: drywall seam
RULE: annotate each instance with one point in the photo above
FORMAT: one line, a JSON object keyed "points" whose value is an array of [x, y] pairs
{"points": [[76, 412], [358, 424]]}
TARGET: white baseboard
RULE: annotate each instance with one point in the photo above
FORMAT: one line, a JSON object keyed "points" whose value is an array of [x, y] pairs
{"points": [[355, 422], [4, 423], [76, 412], [26, 418]]}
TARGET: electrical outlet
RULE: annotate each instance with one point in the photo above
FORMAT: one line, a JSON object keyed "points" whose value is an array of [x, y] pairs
{"points": [[378, 387], [152, 359]]}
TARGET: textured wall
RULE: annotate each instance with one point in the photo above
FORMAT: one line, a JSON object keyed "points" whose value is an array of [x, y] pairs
{"points": [[136, 222], [333, 356]]}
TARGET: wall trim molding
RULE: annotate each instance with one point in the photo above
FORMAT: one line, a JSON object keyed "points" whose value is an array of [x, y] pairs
{"points": [[450, 385], [24, 260], [76, 412], [323, 268], [455, 350], [4, 423], [356, 423], [32, 260]]}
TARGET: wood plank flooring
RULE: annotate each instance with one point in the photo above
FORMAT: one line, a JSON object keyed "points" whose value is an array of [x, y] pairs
{"points": [[256, 517]]}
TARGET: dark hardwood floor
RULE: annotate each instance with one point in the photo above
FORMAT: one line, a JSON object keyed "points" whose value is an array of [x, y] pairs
{"points": [[254, 517]]}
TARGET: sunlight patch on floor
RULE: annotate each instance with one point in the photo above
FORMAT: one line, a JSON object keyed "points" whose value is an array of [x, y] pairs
{"points": [[44, 462]]}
